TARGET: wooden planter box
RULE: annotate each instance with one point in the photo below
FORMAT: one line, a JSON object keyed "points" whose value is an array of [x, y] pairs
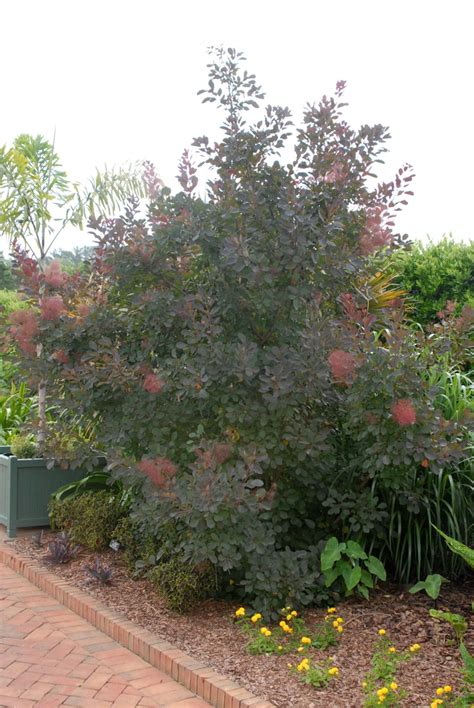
{"points": [[25, 489]]}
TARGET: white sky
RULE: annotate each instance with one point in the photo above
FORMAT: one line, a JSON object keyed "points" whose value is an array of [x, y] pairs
{"points": [[118, 81]]}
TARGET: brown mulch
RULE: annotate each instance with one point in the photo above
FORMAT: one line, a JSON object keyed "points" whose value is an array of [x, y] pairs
{"points": [[208, 634]]}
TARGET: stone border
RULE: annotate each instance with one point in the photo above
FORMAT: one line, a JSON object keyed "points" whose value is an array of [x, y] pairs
{"points": [[191, 673]]}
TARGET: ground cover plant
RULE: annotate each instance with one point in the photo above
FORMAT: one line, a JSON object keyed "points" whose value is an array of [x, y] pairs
{"points": [[241, 363]]}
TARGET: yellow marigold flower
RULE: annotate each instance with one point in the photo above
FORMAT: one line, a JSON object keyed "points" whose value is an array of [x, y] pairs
{"points": [[340, 620], [289, 617], [439, 691], [264, 631], [392, 650], [335, 624], [268, 633], [415, 647], [394, 686], [382, 691], [382, 632], [436, 703], [331, 610], [280, 648], [340, 629], [294, 613], [256, 617], [300, 649], [448, 689], [305, 640], [333, 671], [240, 612], [303, 665]]}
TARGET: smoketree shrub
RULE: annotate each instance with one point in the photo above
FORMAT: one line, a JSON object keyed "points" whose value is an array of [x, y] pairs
{"points": [[228, 353]]}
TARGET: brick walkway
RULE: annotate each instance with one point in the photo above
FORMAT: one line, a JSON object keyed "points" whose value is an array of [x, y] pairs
{"points": [[49, 656]]}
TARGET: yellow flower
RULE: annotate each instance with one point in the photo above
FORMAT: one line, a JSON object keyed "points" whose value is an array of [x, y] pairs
{"points": [[305, 640], [331, 610], [333, 671], [283, 624], [300, 649], [382, 632], [280, 648], [303, 665], [294, 613], [392, 650], [340, 620], [256, 617], [415, 647], [289, 617], [439, 691], [394, 686], [448, 689], [335, 624], [340, 629], [265, 631], [364, 684], [240, 612], [382, 691], [437, 702]]}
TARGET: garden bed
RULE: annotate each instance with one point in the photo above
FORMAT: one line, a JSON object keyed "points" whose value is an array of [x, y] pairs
{"points": [[209, 634]]}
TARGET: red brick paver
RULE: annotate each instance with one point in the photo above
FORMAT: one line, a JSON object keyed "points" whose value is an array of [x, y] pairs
{"points": [[49, 657]]}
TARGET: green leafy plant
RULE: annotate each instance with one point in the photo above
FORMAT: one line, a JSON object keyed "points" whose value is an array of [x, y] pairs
{"points": [[317, 675], [182, 584], [349, 562], [140, 549], [379, 684], [24, 446], [457, 622], [466, 553], [89, 518], [431, 585]]}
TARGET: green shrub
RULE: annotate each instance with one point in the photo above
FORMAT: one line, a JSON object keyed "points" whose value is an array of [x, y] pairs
{"points": [[24, 446], [434, 274], [139, 548], [89, 518], [182, 584], [10, 302]]}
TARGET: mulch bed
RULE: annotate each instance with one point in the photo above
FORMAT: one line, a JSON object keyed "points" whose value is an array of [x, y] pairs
{"points": [[208, 634]]}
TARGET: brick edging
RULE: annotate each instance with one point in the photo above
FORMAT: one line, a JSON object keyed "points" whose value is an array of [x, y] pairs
{"points": [[191, 673]]}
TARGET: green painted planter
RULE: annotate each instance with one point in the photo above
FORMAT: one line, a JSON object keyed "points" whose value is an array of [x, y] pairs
{"points": [[25, 489]]}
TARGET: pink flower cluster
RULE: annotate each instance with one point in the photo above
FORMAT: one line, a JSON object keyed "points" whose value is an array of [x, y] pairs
{"points": [[52, 307], [342, 365], [216, 455], [54, 276], [152, 383], [403, 412], [24, 329], [159, 470], [375, 235]]}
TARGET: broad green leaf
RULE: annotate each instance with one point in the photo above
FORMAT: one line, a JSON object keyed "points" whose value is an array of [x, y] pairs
{"points": [[363, 591], [330, 576], [455, 546], [367, 578], [331, 553], [376, 567], [355, 551], [352, 577], [457, 622]]}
